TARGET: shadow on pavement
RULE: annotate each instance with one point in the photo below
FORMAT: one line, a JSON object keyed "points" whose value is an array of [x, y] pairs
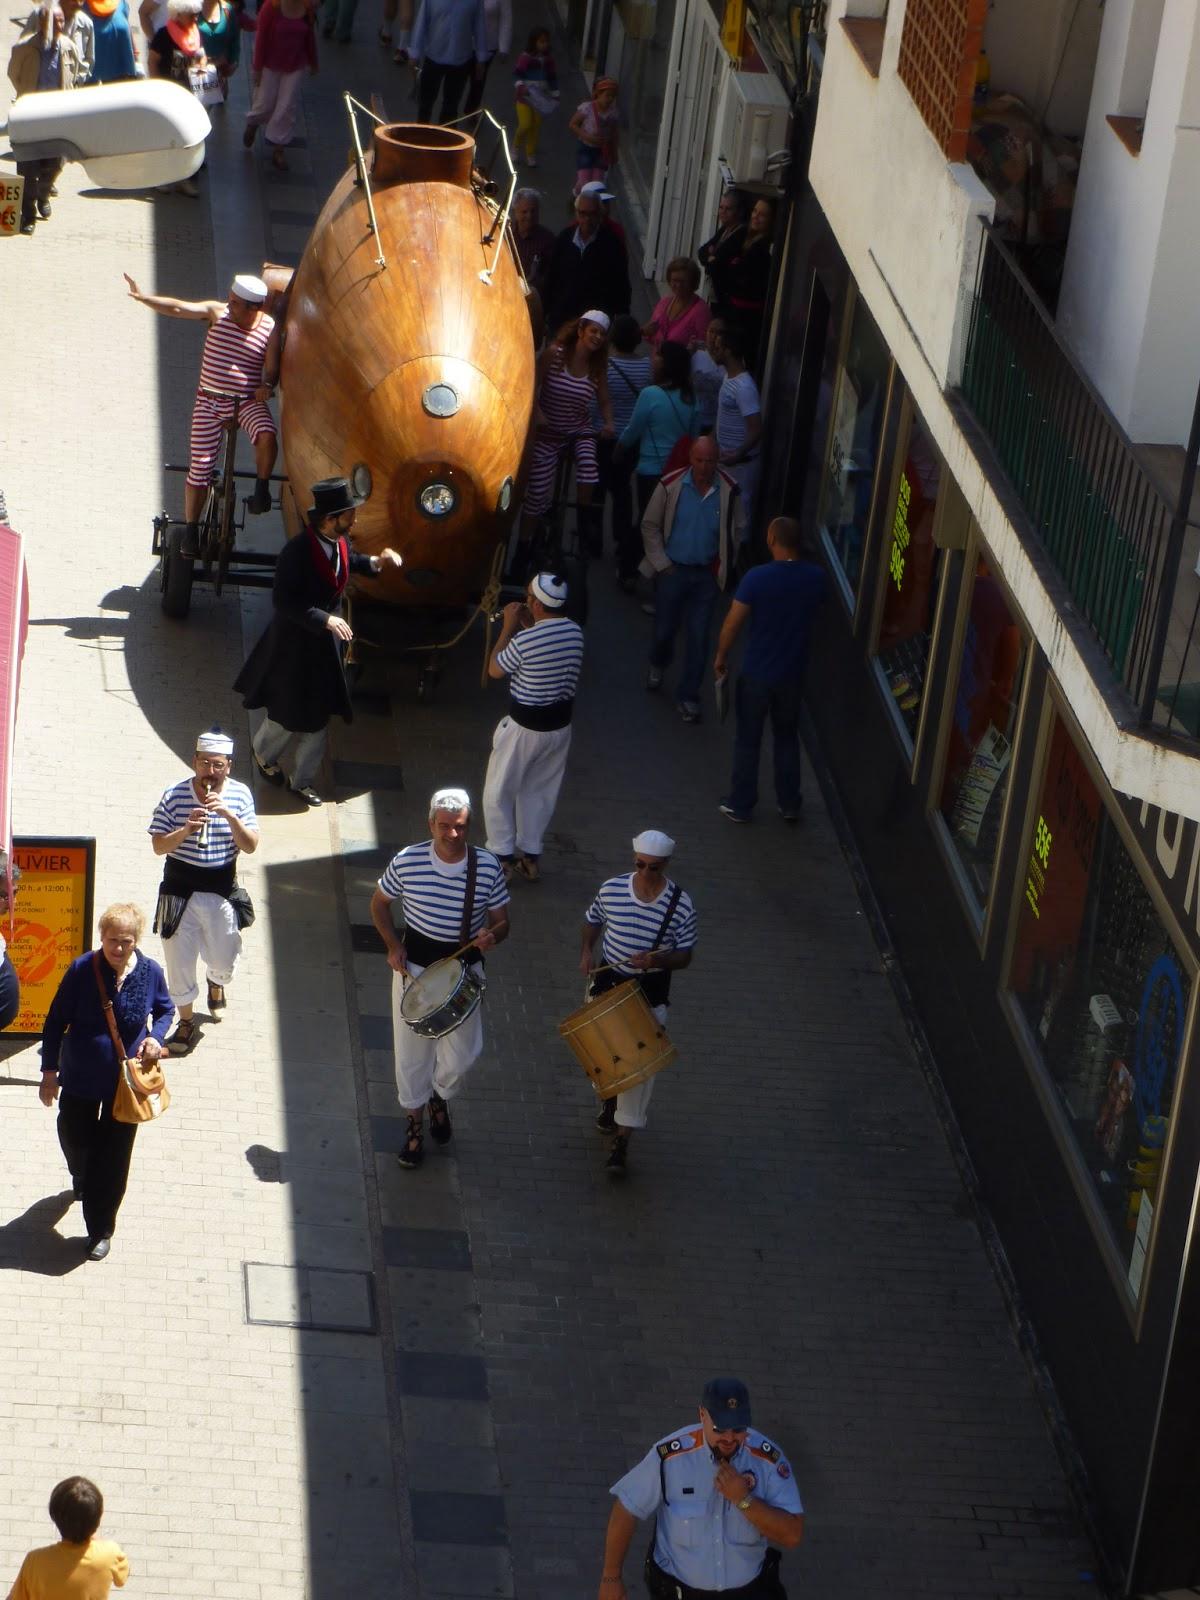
{"points": [[32, 1242]]}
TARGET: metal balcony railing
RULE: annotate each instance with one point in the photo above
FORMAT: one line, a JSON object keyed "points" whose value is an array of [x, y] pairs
{"points": [[1098, 514]]}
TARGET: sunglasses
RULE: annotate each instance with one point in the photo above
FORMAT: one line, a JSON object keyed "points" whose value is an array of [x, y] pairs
{"points": [[646, 866]]}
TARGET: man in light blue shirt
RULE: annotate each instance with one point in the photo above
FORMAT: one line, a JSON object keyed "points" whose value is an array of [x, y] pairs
{"points": [[725, 1504], [691, 525], [449, 41]]}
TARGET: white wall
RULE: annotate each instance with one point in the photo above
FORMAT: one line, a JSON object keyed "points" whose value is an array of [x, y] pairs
{"points": [[1129, 305], [891, 196]]}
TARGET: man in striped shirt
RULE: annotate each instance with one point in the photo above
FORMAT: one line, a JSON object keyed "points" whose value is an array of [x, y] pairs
{"points": [[200, 826], [649, 932], [241, 357], [450, 892], [541, 651]]}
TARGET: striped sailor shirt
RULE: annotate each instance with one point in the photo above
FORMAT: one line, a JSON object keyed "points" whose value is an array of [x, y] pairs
{"points": [[233, 357], [631, 925], [215, 845], [432, 890], [543, 662]]}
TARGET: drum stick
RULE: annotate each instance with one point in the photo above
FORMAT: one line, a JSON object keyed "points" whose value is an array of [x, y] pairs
{"points": [[609, 965]]}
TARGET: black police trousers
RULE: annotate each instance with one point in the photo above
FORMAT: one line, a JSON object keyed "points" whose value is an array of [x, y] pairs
{"points": [[661, 1586]]}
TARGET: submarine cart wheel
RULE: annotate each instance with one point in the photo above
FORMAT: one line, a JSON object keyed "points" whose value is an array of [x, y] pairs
{"points": [[177, 573]]}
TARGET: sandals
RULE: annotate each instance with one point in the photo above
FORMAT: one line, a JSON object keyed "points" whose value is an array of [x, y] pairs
{"points": [[401, 57], [528, 867], [278, 159], [216, 999], [414, 1145], [183, 1040], [440, 1130], [385, 36]]}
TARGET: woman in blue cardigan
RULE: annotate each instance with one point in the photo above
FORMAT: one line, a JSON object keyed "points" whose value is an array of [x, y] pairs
{"points": [[80, 1068]]}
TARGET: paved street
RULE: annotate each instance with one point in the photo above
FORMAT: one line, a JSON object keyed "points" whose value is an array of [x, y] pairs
{"points": [[494, 1339]]}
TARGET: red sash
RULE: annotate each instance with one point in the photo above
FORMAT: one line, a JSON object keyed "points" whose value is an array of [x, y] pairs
{"points": [[324, 566]]}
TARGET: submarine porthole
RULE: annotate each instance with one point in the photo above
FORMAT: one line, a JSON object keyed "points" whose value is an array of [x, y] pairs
{"points": [[440, 400], [505, 500], [361, 481], [437, 500]]}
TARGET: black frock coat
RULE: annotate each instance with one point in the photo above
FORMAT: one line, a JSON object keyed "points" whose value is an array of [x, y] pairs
{"points": [[295, 671]]}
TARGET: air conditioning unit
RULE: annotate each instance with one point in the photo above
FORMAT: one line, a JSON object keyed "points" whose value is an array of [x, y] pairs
{"points": [[757, 112]]}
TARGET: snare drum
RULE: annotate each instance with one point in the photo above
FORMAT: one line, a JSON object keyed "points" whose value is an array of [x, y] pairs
{"points": [[442, 998], [617, 1040]]}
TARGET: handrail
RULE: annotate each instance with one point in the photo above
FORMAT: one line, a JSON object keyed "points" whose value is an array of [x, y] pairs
{"points": [[501, 214], [360, 163]]}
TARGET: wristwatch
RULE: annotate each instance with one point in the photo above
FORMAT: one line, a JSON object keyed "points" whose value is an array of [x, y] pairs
{"points": [[744, 1503]]}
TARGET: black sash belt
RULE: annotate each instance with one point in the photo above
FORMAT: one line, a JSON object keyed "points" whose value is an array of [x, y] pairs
{"points": [[541, 719], [180, 881]]}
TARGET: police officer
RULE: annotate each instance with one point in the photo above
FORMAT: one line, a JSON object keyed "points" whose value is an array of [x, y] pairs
{"points": [[725, 1501]]}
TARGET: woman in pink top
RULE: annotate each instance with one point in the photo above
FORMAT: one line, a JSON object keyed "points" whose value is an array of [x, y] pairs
{"points": [[681, 315], [285, 44]]}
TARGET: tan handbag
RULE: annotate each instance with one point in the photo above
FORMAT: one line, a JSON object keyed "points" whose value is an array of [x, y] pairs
{"points": [[142, 1093]]}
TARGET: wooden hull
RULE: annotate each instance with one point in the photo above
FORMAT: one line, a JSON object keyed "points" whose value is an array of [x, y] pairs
{"points": [[372, 353]]}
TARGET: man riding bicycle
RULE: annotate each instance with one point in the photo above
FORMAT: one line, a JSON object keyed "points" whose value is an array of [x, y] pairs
{"points": [[238, 370]]}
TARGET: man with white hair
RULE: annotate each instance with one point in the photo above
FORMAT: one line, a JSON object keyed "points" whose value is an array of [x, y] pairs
{"points": [[44, 57], [241, 358], [649, 932], [452, 895], [541, 651], [200, 826], [532, 240]]}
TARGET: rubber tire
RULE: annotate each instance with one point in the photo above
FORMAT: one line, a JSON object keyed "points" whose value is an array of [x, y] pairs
{"points": [[178, 571]]}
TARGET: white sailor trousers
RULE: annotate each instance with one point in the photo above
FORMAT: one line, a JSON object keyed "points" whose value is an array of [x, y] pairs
{"points": [[207, 928], [633, 1104], [425, 1065], [524, 775]]}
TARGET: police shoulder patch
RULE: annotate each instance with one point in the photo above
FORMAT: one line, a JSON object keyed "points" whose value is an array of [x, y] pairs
{"points": [[766, 1449]]}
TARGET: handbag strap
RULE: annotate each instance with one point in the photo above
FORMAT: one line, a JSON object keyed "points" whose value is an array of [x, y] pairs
{"points": [[676, 891], [464, 933], [107, 1005]]}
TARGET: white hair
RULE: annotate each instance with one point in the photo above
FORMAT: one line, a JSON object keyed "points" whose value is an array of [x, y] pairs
{"points": [[449, 800], [182, 8], [528, 194]]}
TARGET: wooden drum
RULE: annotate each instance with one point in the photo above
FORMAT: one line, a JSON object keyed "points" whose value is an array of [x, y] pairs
{"points": [[617, 1041]]}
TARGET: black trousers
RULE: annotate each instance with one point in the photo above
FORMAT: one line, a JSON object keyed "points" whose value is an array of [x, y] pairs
{"points": [[98, 1149], [40, 177], [451, 80], [478, 83], [616, 481]]}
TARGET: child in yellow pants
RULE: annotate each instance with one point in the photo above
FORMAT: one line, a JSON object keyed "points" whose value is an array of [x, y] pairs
{"points": [[536, 82]]}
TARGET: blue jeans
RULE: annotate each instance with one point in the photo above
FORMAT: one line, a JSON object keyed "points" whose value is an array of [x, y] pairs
{"points": [[754, 702], [687, 596]]}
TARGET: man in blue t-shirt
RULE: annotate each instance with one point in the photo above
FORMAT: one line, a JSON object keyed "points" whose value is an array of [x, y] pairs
{"points": [[778, 600]]}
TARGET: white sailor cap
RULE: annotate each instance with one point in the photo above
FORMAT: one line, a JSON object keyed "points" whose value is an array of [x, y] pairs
{"points": [[214, 741], [550, 589], [652, 842], [247, 287]]}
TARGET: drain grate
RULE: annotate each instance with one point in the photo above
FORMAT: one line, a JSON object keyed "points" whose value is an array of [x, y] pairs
{"points": [[324, 1299]]}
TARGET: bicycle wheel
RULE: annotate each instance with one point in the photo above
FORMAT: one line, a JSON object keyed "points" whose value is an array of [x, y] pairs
{"points": [[178, 572], [226, 498]]}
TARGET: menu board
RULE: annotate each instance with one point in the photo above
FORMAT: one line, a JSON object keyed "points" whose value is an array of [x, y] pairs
{"points": [[52, 920]]}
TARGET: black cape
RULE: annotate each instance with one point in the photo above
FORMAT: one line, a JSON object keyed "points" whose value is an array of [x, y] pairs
{"points": [[295, 670]]}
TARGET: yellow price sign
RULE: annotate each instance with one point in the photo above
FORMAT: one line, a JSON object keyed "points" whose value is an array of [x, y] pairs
{"points": [[52, 920]]}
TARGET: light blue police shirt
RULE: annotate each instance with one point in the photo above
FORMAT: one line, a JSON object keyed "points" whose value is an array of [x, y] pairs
{"points": [[703, 1539]]}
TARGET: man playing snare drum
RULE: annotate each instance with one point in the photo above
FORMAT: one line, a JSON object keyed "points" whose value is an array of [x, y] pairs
{"points": [[452, 894], [649, 926]]}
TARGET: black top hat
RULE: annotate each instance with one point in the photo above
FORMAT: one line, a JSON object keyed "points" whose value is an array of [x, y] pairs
{"points": [[331, 497]]}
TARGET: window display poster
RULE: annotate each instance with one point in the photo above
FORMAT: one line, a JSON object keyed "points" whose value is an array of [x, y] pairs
{"points": [[1059, 864], [52, 920]]}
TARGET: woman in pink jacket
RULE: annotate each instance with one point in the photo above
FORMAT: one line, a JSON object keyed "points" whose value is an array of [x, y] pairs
{"points": [[285, 44], [681, 315]]}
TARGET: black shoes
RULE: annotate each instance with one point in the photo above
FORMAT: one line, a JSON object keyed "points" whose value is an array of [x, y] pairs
{"points": [[44, 209], [309, 795], [413, 1153], [440, 1129], [606, 1121], [98, 1249], [615, 1165]]}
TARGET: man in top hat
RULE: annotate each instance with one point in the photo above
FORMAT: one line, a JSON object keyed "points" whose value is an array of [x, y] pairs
{"points": [[541, 651], [649, 932], [200, 826], [241, 357], [295, 671], [724, 1501]]}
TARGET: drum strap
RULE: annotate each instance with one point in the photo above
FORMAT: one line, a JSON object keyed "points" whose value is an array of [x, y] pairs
{"points": [[464, 932], [676, 891]]}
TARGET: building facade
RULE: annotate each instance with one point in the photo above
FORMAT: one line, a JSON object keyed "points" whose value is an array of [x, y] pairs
{"points": [[985, 358]]}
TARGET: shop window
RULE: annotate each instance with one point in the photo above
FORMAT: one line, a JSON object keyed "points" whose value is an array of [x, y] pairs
{"points": [[843, 513], [1105, 994], [912, 572], [983, 725]]}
